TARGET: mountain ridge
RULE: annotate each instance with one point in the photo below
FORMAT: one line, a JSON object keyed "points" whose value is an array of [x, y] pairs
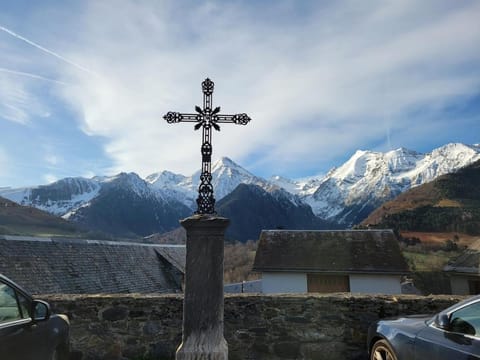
{"points": [[252, 209], [350, 192], [345, 195]]}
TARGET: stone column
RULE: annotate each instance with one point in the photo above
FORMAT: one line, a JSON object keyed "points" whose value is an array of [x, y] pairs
{"points": [[202, 336]]}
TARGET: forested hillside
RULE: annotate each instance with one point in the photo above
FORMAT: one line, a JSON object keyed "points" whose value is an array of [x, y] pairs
{"points": [[450, 203]]}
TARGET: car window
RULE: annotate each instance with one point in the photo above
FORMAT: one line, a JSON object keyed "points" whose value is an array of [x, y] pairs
{"points": [[9, 310], [24, 305], [466, 320]]}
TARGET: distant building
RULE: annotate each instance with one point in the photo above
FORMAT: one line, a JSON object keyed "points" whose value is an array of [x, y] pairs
{"points": [[465, 272], [357, 261], [74, 266]]}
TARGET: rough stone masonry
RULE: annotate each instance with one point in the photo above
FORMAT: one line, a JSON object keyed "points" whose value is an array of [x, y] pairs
{"points": [[257, 327]]}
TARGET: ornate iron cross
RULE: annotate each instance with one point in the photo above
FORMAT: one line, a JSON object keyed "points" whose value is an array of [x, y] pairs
{"points": [[206, 118]]}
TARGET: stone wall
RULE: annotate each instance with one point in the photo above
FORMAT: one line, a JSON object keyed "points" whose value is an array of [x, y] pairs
{"points": [[307, 326]]}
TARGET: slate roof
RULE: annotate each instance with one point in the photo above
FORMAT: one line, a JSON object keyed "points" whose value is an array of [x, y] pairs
{"points": [[72, 266], [468, 262], [342, 251]]}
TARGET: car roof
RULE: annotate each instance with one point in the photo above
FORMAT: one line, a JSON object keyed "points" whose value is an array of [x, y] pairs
{"points": [[462, 304]]}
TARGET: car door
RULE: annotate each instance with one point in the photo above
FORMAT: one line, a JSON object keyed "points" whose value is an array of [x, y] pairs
{"points": [[461, 341], [19, 337], [14, 318]]}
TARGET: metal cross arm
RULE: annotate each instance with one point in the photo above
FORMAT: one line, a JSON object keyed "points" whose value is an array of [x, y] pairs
{"points": [[206, 118], [175, 117]]}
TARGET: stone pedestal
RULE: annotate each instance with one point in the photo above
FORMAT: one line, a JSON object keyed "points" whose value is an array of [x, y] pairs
{"points": [[203, 301]]}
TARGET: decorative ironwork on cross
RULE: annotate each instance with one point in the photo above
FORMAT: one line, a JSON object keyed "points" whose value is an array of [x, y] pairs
{"points": [[206, 118]]}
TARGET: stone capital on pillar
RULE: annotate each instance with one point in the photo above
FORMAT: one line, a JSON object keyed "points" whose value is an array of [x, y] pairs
{"points": [[202, 336], [199, 223]]}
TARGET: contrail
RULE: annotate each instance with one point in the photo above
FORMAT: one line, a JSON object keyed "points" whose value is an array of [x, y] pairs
{"points": [[30, 75], [58, 56]]}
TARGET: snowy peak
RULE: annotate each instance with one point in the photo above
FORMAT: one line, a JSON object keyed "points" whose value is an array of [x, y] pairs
{"points": [[369, 178], [301, 187], [290, 185], [227, 163], [130, 182], [365, 163], [74, 186], [227, 175], [164, 178], [57, 198], [404, 162], [455, 154], [401, 160], [226, 168], [356, 166]]}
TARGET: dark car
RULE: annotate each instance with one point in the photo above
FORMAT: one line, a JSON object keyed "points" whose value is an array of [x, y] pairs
{"points": [[28, 330], [452, 334]]}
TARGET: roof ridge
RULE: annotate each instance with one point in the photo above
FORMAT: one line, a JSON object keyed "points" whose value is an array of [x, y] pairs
{"points": [[62, 240]]}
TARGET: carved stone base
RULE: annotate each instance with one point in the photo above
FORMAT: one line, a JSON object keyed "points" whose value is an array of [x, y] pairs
{"points": [[203, 346]]}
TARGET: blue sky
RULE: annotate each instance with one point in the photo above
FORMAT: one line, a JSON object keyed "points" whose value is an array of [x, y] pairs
{"points": [[84, 84]]}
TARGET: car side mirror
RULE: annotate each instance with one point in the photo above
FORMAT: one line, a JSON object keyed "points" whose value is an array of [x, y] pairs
{"points": [[40, 310], [442, 321]]}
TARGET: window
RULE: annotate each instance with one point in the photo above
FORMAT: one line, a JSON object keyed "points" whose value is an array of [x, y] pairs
{"points": [[9, 310], [466, 320], [24, 305]]}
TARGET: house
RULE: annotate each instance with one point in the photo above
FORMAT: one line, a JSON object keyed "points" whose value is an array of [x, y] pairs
{"points": [[77, 266], [357, 261], [464, 273]]}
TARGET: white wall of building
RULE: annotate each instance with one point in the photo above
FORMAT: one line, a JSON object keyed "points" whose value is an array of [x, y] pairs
{"points": [[279, 282], [459, 285], [375, 284]]}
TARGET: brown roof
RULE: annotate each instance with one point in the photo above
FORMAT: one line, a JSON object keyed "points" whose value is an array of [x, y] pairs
{"points": [[342, 251]]}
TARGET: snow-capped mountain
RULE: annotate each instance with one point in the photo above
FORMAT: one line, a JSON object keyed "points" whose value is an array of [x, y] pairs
{"points": [[127, 205], [349, 193], [59, 198], [226, 176], [346, 194], [304, 186]]}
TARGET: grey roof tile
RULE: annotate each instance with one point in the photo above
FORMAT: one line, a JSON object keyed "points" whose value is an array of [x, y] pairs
{"points": [[341, 251], [83, 266]]}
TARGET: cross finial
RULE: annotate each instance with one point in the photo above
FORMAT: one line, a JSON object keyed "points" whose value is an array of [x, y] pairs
{"points": [[207, 86], [206, 118]]}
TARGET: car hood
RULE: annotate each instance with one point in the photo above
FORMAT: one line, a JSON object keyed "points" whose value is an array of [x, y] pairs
{"points": [[411, 324]]}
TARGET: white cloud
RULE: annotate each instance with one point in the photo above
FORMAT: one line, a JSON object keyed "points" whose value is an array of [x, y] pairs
{"points": [[317, 78], [19, 103]]}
